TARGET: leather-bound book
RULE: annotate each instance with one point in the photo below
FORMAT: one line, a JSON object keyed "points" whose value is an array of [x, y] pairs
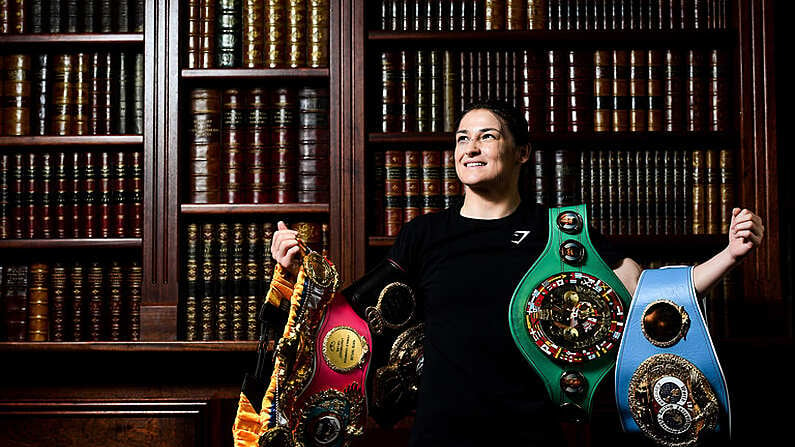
{"points": [[638, 91], [58, 306], [419, 15], [77, 305], [40, 94], [700, 14], [620, 91], [138, 96], [672, 88], [727, 198], [377, 194], [119, 201], [138, 18], [603, 90], [45, 201], [205, 156], [436, 91], [192, 282], [552, 14], [257, 140], [19, 18], [699, 196], [456, 15], [655, 91], [565, 181], [61, 196], [317, 33], [654, 14], [594, 185], [75, 194], [232, 138], [227, 34], [194, 33], [585, 180], [541, 179], [222, 309], [37, 17], [622, 186], [207, 49], [678, 207], [267, 264], [713, 193], [579, 92], [669, 204], [115, 301], [482, 76], [515, 14], [532, 91], [658, 182], [694, 92], [431, 181], [630, 170], [110, 98], [135, 282], [613, 205], [537, 14], [123, 16], [104, 195], [451, 186], [639, 172], [95, 98], [465, 80], [389, 92], [5, 196], [31, 197], [253, 23], [406, 92], [82, 87], [421, 80], [510, 83], [412, 185], [90, 195], [555, 107], [63, 95], [450, 85], [252, 279], [326, 244], [208, 283], [494, 73], [284, 101], [311, 233], [18, 197], [296, 38], [238, 287], [90, 15], [717, 111], [313, 145], [96, 305], [16, 302], [394, 188], [275, 33], [136, 196], [16, 89], [621, 14], [54, 14], [686, 168], [106, 15]]}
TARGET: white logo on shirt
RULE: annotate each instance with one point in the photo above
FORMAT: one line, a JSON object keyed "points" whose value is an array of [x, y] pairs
{"points": [[519, 236]]}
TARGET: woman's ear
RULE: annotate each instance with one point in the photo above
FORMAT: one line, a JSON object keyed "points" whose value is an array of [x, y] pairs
{"points": [[524, 153]]}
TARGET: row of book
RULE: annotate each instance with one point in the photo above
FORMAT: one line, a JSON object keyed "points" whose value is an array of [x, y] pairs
{"points": [[477, 15], [99, 93], [71, 301], [411, 182], [79, 194], [259, 145], [618, 90], [640, 192], [71, 16], [228, 268], [257, 33]]}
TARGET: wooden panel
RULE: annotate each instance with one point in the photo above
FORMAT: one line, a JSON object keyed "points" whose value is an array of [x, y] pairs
{"points": [[72, 38], [251, 73], [158, 323], [271, 208], [82, 140]]}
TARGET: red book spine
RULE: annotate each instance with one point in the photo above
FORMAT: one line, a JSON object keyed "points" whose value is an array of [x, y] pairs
{"points": [[61, 196], [96, 292], [115, 282], [284, 138], [89, 195], [76, 279], [120, 192], [378, 194], [394, 191], [58, 310], [104, 195], [231, 139], [18, 196], [136, 182], [97, 97], [75, 194], [46, 196], [412, 184], [31, 195], [431, 181], [258, 139], [389, 92], [5, 196]]}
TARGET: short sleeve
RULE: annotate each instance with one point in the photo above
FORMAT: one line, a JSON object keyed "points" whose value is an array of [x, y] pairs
{"points": [[609, 253]]}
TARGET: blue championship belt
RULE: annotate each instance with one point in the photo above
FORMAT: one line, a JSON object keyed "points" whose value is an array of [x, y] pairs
{"points": [[669, 384]]}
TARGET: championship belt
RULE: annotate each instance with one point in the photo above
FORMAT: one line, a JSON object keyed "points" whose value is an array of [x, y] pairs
{"points": [[669, 384], [316, 395], [567, 314]]}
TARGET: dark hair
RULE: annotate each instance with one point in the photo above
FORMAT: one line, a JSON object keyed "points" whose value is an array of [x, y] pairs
{"points": [[511, 117]]}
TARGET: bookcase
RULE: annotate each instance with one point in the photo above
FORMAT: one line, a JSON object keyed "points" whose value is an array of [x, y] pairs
{"points": [[176, 381]]}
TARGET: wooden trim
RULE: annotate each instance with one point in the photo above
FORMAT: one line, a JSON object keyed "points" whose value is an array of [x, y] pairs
{"points": [[71, 243], [254, 73], [269, 208], [679, 138], [356, 170], [73, 38], [126, 346], [668, 38], [72, 140]]}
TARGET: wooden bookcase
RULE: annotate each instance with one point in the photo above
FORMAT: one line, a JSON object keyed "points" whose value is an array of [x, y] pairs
{"points": [[184, 393]]}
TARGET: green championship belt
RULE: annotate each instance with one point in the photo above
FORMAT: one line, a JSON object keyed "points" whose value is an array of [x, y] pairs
{"points": [[567, 314]]}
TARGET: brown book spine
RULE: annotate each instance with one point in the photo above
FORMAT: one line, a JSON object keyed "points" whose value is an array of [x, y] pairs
{"points": [[431, 181], [275, 33], [203, 182], [238, 308], [60, 196], [206, 33], [604, 191], [378, 194], [115, 301], [16, 89], [253, 29], [718, 116], [75, 194], [104, 195], [537, 14], [134, 287], [58, 309], [5, 196], [252, 279], [119, 195], [32, 191], [436, 90], [38, 303], [638, 91], [285, 142], [317, 33], [620, 91], [45, 196], [450, 94], [88, 205], [208, 282], [594, 188], [639, 173], [672, 115], [494, 14], [532, 92], [541, 178], [406, 93], [5, 16], [96, 293], [313, 145], [389, 92], [107, 108], [96, 96], [18, 197], [669, 191], [257, 137], [603, 90], [77, 305], [585, 181], [556, 92], [678, 192], [82, 89], [515, 14], [268, 264], [192, 282], [631, 191], [228, 34], [727, 198], [713, 194], [465, 81], [41, 93], [613, 205], [136, 198], [412, 185], [699, 196], [222, 309], [451, 186], [655, 90], [694, 92], [296, 33], [421, 81], [16, 302], [394, 191], [231, 147], [63, 95], [579, 90]]}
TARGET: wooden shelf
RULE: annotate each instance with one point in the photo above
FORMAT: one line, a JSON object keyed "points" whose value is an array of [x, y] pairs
{"points": [[547, 37], [73, 140], [72, 38], [267, 208], [128, 346], [254, 73], [624, 241], [71, 243], [647, 138]]}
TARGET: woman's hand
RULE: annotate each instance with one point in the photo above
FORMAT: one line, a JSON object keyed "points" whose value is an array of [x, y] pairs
{"points": [[284, 248], [745, 233]]}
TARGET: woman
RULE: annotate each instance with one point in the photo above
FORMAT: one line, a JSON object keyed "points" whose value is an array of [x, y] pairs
{"points": [[466, 262]]}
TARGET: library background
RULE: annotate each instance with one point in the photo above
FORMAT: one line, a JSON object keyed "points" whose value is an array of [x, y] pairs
{"points": [[147, 148]]}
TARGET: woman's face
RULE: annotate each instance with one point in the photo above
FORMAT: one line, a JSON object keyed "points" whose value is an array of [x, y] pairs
{"points": [[485, 153]]}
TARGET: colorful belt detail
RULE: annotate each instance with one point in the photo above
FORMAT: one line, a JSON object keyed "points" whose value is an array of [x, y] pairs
{"points": [[316, 396], [669, 384], [567, 314]]}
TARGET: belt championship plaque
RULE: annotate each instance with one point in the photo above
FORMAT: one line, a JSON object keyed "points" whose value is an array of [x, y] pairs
{"points": [[669, 384], [567, 314]]}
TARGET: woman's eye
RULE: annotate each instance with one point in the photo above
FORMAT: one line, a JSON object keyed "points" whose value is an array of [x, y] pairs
{"points": [[462, 138], [487, 136]]}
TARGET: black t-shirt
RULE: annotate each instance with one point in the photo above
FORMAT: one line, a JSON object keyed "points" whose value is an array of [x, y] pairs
{"points": [[475, 382]]}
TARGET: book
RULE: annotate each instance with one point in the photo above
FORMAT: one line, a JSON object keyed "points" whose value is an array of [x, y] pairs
{"points": [[135, 278], [206, 33], [620, 117], [630, 164], [191, 282], [431, 191], [267, 262], [532, 92], [295, 35], [237, 311], [63, 95], [613, 204], [37, 16], [257, 165], [16, 89], [313, 168], [96, 305], [377, 193], [594, 178], [420, 79], [89, 195], [451, 187], [54, 16], [679, 204], [537, 14], [138, 18], [90, 12], [253, 23], [389, 92], [44, 196], [207, 300], [717, 91], [655, 103], [115, 282], [449, 84], [204, 147], [641, 225], [283, 136], [622, 192], [394, 187], [555, 107], [138, 95], [135, 198], [40, 94], [713, 191], [672, 88], [727, 196], [579, 92], [603, 92], [694, 91], [194, 24], [227, 35], [58, 307], [252, 279], [541, 180], [77, 305], [109, 95], [699, 194], [61, 196], [638, 91], [412, 186], [5, 196], [275, 33], [119, 199], [516, 14], [98, 71], [123, 16], [31, 192], [222, 309], [15, 295], [106, 15], [494, 11], [74, 195], [232, 128], [104, 195], [406, 95], [82, 88], [317, 33]]}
